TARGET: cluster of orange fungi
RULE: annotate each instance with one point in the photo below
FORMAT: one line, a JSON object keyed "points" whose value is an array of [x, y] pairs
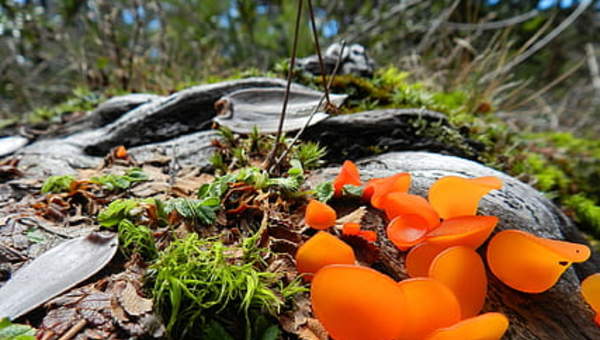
{"points": [[448, 285]]}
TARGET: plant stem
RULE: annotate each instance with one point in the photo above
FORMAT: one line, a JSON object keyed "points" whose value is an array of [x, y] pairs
{"points": [[271, 156]]}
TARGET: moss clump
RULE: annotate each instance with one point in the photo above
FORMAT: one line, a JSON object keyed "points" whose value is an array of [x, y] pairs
{"points": [[82, 100], [586, 211], [199, 281]]}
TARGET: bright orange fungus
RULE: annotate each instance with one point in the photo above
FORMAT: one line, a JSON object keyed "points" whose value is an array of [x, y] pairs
{"points": [[358, 303], [529, 263], [319, 215], [590, 289], [351, 229], [121, 152], [453, 196], [470, 231], [396, 183], [321, 250], [406, 231], [348, 175], [488, 326], [461, 269], [429, 305], [368, 235], [419, 258], [400, 203]]}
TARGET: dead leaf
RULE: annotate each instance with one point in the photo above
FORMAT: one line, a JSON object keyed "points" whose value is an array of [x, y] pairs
{"points": [[354, 217], [313, 330], [133, 303]]}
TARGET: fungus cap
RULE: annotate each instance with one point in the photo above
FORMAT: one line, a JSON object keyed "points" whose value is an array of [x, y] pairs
{"points": [[358, 303], [429, 305], [399, 203], [319, 215], [444, 192], [529, 263], [321, 250], [462, 270], [396, 183], [470, 231], [419, 258], [351, 228], [488, 326], [590, 289], [349, 174], [406, 231]]}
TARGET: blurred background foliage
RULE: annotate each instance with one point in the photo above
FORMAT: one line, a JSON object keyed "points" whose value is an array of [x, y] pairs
{"points": [[519, 76], [48, 48]]}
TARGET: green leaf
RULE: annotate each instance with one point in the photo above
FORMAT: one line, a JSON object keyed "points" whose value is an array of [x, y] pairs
{"points": [[324, 191], [214, 331], [57, 184], [35, 235], [11, 331], [271, 333], [352, 190], [116, 211], [111, 181]]}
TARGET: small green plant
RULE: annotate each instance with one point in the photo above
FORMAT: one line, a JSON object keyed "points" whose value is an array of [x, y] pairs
{"points": [[14, 331], [310, 154], [324, 191], [136, 239], [113, 182], [195, 210], [117, 211], [196, 280], [57, 184]]}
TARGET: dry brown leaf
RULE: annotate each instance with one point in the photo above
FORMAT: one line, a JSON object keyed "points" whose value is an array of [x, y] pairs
{"points": [[133, 303], [313, 330], [354, 217]]}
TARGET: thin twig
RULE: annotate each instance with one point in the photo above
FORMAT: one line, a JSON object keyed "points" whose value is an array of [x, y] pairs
{"points": [[74, 330], [426, 41], [273, 152], [318, 48], [544, 89], [492, 25], [583, 5], [314, 111], [594, 70]]}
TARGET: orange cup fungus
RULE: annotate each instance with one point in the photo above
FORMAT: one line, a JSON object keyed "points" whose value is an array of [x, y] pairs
{"points": [[429, 305], [321, 250], [453, 196], [319, 215], [529, 263], [488, 326], [470, 231], [351, 229], [383, 186], [419, 258], [406, 231], [348, 175], [368, 235], [400, 203], [590, 289], [461, 269], [358, 303]]}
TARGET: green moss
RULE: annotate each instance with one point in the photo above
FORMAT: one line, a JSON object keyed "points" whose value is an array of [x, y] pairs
{"points": [[82, 100], [586, 212], [57, 184], [198, 280]]}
